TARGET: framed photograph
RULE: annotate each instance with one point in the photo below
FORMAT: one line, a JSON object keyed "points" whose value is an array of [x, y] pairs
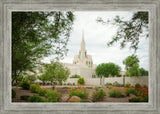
{"points": [[80, 56]]}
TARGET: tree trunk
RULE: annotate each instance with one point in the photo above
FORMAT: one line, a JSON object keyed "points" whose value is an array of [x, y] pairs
{"points": [[43, 82], [123, 80]]}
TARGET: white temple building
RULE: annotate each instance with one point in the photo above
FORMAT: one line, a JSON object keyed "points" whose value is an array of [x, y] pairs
{"points": [[82, 63]]}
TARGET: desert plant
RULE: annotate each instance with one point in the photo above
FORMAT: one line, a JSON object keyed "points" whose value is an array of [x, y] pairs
{"points": [[137, 85], [108, 84], [25, 84], [80, 93], [13, 93], [41, 92], [97, 88], [134, 99], [130, 91], [81, 81], [25, 97], [64, 87], [127, 85], [75, 76], [116, 84], [69, 83], [36, 98], [34, 88], [31, 78], [52, 95], [98, 95], [115, 93]]}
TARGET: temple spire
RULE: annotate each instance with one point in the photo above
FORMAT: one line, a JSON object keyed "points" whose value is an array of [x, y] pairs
{"points": [[83, 42]]}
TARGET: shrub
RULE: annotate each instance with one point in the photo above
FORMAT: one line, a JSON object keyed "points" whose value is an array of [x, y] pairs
{"points": [[64, 87], [80, 93], [116, 84], [97, 88], [34, 88], [31, 78], [81, 81], [41, 92], [139, 99], [108, 84], [137, 85], [127, 85], [98, 95], [75, 76], [74, 84], [115, 93], [13, 93], [134, 99], [25, 97], [69, 83], [143, 92], [144, 86], [52, 95], [144, 99], [130, 91], [25, 84], [36, 98]]}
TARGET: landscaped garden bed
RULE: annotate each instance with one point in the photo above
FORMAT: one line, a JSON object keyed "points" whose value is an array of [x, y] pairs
{"points": [[85, 93]]}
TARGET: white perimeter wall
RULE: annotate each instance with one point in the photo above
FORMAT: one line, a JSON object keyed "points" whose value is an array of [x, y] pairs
{"points": [[143, 80]]}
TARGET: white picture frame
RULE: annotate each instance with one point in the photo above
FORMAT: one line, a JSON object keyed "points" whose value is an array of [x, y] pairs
{"points": [[152, 6]]}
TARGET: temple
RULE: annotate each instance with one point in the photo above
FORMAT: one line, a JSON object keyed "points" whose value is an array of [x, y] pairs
{"points": [[83, 58], [82, 63]]}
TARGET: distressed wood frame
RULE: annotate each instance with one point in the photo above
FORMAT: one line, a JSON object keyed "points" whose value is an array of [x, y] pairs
{"points": [[152, 6]]}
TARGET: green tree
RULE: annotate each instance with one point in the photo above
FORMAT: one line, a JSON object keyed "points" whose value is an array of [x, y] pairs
{"points": [[54, 72], [31, 78], [128, 32], [61, 73], [36, 35], [43, 78], [132, 65], [106, 69], [143, 72]]}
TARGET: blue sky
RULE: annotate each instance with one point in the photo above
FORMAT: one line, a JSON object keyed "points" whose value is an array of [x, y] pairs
{"points": [[96, 37]]}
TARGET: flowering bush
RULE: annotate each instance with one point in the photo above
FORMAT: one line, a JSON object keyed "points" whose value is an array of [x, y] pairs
{"points": [[34, 88], [81, 81], [137, 85], [142, 95], [80, 93], [98, 95], [115, 93]]}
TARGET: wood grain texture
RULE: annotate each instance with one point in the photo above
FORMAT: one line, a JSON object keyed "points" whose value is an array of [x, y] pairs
{"points": [[7, 6]]}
